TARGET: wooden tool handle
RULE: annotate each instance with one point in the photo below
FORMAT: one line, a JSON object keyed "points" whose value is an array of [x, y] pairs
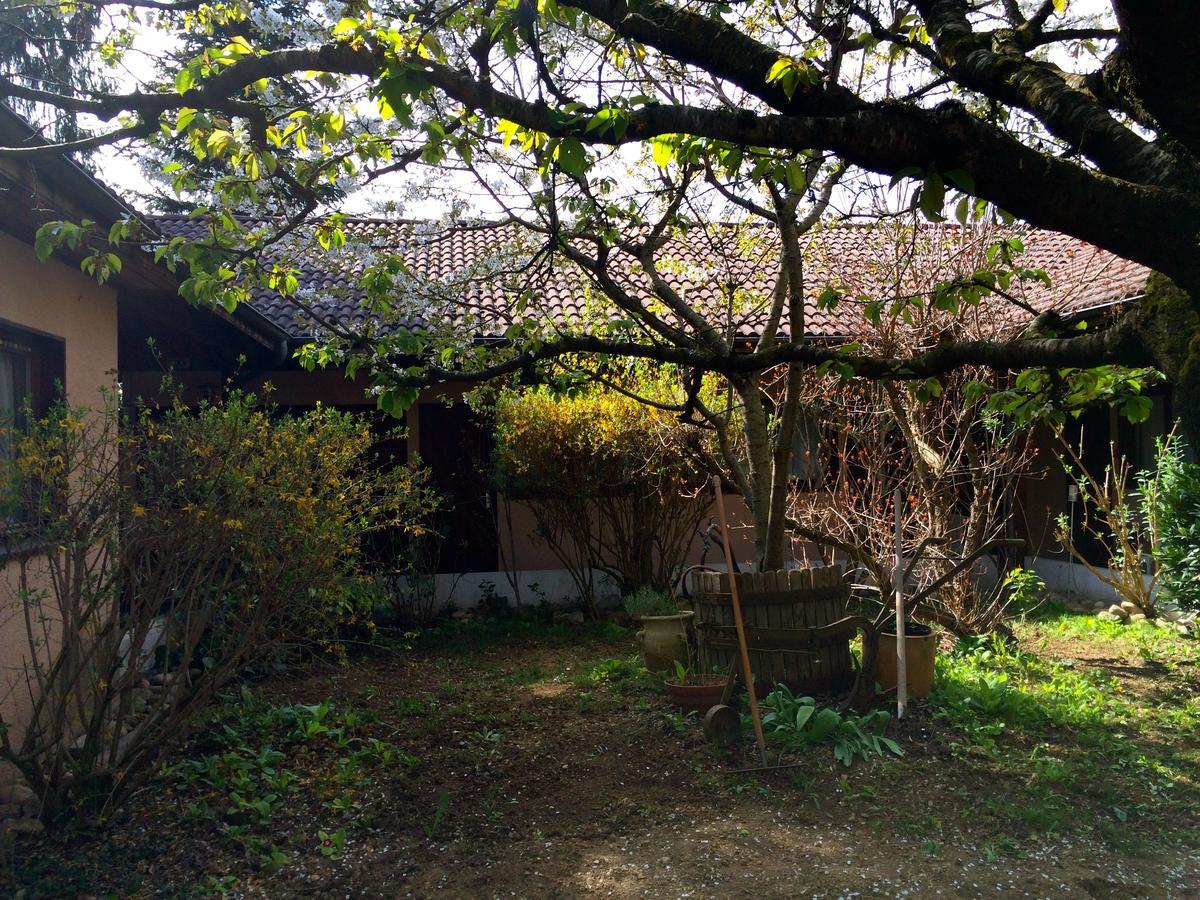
{"points": [[735, 597]]}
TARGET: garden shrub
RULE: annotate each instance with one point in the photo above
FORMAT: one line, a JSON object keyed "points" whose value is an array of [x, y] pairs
{"points": [[178, 548], [1172, 501], [610, 482]]}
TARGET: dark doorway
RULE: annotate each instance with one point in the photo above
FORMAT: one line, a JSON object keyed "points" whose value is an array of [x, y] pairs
{"points": [[456, 445]]}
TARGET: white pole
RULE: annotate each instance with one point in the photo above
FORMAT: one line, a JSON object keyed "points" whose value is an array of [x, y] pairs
{"points": [[901, 655]]}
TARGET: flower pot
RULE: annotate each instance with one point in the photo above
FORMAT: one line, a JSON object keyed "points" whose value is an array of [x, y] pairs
{"points": [[664, 641], [920, 650], [698, 692]]}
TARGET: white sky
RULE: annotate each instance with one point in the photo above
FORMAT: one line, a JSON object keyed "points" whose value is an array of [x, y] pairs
{"points": [[119, 167]]}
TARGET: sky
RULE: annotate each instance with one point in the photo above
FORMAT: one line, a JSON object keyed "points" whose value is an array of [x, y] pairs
{"points": [[411, 196]]}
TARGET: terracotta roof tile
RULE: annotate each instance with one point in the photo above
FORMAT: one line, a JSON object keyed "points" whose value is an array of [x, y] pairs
{"points": [[472, 275]]}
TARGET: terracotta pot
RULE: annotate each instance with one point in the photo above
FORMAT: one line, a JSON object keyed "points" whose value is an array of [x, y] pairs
{"points": [[698, 692], [920, 650], [664, 641]]}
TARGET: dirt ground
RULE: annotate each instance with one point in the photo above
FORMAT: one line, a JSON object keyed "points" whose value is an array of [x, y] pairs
{"points": [[528, 780]]}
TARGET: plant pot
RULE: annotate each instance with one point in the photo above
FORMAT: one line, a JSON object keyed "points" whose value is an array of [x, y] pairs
{"points": [[664, 641], [698, 692], [920, 650]]}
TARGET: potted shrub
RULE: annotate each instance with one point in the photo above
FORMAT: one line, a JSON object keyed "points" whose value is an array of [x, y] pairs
{"points": [[920, 650], [664, 636], [692, 691]]}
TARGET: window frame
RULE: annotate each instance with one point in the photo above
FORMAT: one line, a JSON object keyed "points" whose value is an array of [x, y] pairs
{"points": [[46, 374]]}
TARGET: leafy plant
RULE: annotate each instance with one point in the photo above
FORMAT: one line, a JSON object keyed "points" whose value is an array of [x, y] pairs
{"points": [[795, 723], [1172, 498], [1025, 588], [647, 601], [1115, 514], [217, 539], [439, 815], [332, 843]]}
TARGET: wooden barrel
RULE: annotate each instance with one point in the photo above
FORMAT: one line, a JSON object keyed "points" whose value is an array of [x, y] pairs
{"points": [[776, 607]]}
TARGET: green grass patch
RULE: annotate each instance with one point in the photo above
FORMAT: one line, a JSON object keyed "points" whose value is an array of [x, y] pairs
{"points": [[1063, 733]]}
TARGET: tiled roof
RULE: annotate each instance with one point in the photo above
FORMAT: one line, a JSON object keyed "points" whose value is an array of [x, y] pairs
{"points": [[473, 274]]}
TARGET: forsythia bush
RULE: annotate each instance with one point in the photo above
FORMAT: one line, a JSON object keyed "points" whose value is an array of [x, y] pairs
{"points": [[612, 482], [291, 498], [174, 550]]}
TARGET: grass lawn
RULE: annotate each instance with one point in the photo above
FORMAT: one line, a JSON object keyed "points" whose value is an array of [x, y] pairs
{"points": [[514, 760]]}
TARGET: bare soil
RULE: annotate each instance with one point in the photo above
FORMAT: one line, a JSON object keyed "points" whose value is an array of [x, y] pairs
{"points": [[553, 787]]}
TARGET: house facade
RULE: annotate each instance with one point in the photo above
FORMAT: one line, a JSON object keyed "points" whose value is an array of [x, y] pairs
{"points": [[490, 540], [138, 328], [64, 336]]}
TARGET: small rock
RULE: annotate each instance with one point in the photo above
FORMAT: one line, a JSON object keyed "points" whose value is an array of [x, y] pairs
{"points": [[1137, 617], [22, 826], [16, 793], [1109, 616], [460, 614], [1129, 606], [1119, 611]]}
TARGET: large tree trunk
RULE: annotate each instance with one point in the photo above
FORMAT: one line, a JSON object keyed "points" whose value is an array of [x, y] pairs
{"points": [[1167, 322]]}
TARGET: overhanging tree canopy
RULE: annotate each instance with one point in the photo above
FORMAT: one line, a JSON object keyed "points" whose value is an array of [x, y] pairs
{"points": [[1073, 116], [978, 96]]}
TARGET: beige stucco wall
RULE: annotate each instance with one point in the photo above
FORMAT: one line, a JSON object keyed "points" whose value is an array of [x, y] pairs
{"points": [[55, 299]]}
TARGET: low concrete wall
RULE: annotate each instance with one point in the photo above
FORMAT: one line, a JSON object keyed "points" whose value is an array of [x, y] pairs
{"points": [[533, 587], [1073, 580]]}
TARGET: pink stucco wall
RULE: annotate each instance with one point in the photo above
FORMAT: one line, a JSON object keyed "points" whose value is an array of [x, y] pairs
{"points": [[55, 299]]}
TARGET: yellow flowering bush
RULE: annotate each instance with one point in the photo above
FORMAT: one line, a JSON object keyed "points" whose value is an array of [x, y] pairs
{"points": [[612, 482], [187, 545]]}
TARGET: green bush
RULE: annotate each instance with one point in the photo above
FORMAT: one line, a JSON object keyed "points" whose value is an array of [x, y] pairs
{"points": [[186, 544], [1172, 498], [795, 723]]}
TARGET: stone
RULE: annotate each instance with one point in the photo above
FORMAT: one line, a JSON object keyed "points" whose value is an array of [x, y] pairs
{"points": [[460, 614], [22, 826], [1109, 616], [1138, 617], [16, 793], [1129, 606], [1118, 611]]}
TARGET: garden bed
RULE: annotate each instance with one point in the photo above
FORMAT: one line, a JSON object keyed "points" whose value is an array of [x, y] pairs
{"points": [[518, 760]]}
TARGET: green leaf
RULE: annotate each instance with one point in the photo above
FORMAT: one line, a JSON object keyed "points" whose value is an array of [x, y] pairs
{"points": [[823, 725], [932, 197], [663, 150], [803, 714], [796, 178], [184, 117], [829, 298], [571, 157]]}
